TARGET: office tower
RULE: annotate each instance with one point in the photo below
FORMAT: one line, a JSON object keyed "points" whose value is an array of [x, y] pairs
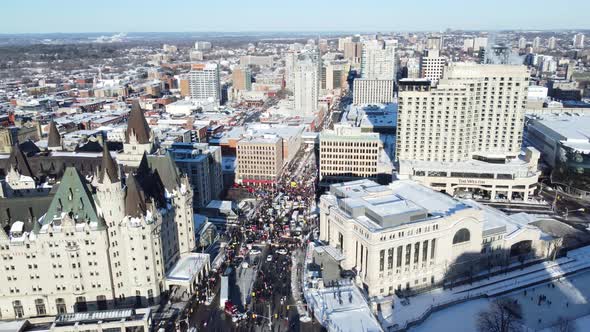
{"points": [[306, 87], [242, 78], [258, 60], [432, 65], [434, 42], [579, 40], [368, 91], [196, 55], [551, 43], [413, 67], [480, 42], [201, 162], [336, 73], [342, 42], [353, 51], [536, 43], [204, 82], [522, 43], [259, 160], [202, 46], [347, 153], [468, 44], [378, 60]]}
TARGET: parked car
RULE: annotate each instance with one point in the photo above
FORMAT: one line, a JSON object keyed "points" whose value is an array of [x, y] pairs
{"points": [[269, 258], [255, 251], [282, 251]]}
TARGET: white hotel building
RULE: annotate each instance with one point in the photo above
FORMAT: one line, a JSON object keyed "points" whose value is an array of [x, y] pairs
{"points": [[407, 236], [465, 133]]}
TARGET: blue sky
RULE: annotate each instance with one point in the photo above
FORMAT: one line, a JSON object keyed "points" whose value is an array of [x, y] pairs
{"points": [[39, 16]]}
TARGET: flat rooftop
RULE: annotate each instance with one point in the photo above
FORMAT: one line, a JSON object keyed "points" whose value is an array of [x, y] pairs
{"points": [[188, 266], [401, 202], [573, 128]]}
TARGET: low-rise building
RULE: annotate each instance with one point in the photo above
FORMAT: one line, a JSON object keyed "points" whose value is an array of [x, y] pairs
{"points": [[347, 153], [563, 139], [405, 236]]}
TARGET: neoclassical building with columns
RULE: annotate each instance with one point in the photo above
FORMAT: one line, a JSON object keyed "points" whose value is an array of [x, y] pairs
{"points": [[405, 236]]}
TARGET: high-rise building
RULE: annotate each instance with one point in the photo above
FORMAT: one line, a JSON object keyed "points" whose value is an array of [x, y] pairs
{"points": [[486, 110], [306, 86], [367, 91], [290, 62], [432, 65], [334, 74], [468, 45], [202, 164], [353, 51], [551, 43], [537, 43], [471, 122], [347, 153], [204, 82], [202, 46], [342, 41], [480, 42], [242, 78], [434, 42], [579, 40], [522, 43], [258, 60], [413, 68], [378, 60], [259, 160]]}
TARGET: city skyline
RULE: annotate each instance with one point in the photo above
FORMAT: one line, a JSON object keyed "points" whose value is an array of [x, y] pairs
{"points": [[261, 16]]}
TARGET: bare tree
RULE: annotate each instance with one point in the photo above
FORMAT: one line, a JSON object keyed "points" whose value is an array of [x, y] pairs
{"points": [[503, 315], [565, 325], [554, 247]]}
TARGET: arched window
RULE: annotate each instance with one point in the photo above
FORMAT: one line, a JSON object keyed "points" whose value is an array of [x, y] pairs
{"points": [[461, 236], [40, 306], [18, 309], [60, 305]]}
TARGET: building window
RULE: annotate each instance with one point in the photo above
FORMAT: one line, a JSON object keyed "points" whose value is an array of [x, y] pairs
{"points": [[399, 256], [40, 306], [424, 251], [101, 302], [381, 260], [390, 258], [461, 236], [18, 309], [408, 254], [60, 305], [416, 252], [81, 305], [432, 248]]}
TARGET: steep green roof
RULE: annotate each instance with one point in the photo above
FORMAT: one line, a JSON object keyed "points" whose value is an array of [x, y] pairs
{"points": [[74, 198]]}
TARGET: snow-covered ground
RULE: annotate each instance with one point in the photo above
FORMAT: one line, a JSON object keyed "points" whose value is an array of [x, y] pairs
{"points": [[401, 315], [568, 297]]}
